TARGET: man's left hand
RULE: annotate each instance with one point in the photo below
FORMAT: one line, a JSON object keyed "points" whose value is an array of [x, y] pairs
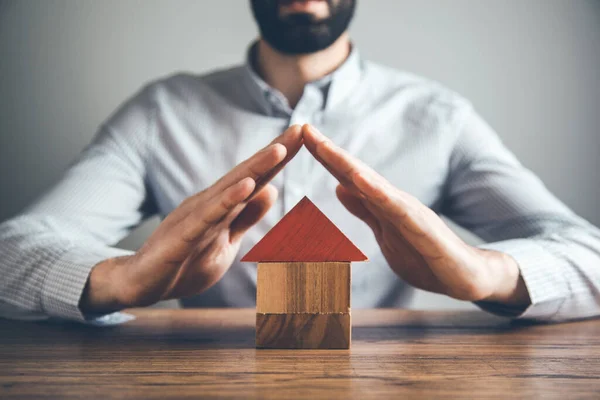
{"points": [[415, 241]]}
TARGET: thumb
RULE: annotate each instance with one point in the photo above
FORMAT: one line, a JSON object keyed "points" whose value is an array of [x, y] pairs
{"points": [[356, 207], [253, 212]]}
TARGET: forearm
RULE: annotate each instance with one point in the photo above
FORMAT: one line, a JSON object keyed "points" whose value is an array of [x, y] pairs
{"points": [[558, 254], [561, 272], [44, 272]]}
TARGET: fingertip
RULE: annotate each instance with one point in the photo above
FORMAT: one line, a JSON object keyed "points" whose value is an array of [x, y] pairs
{"points": [[294, 138], [346, 198], [267, 192], [272, 190], [343, 193], [246, 186], [308, 129], [316, 141], [253, 211], [278, 151], [291, 135], [294, 130], [309, 137], [360, 181]]}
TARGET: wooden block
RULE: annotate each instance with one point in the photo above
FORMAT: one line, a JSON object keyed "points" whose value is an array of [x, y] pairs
{"points": [[303, 331], [304, 234], [309, 287]]}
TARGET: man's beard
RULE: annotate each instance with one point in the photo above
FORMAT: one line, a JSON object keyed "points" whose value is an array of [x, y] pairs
{"points": [[301, 33]]}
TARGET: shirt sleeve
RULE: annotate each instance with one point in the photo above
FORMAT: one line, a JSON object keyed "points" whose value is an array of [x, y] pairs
{"points": [[491, 194], [48, 251]]}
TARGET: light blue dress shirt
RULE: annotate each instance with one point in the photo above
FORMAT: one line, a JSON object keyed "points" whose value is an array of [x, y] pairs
{"points": [[180, 134]]}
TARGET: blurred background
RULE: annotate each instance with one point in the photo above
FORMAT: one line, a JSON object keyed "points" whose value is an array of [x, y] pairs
{"points": [[530, 67]]}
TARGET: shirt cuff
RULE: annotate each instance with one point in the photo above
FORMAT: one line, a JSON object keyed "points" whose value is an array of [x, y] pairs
{"points": [[115, 318], [67, 278], [541, 271]]}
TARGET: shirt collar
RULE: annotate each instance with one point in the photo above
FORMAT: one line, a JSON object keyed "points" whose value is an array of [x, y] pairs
{"points": [[335, 87]]}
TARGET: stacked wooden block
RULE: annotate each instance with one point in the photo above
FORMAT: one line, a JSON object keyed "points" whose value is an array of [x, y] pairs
{"points": [[303, 305]]}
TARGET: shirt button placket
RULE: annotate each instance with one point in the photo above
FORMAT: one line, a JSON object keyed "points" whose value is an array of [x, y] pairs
{"points": [[296, 179]]}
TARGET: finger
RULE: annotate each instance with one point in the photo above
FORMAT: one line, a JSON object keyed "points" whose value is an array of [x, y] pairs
{"points": [[207, 215], [254, 167], [261, 167], [403, 209], [365, 183], [265, 164], [236, 224], [292, 140], [339, 164], [261, 162], [254, 211], [384, 196], [417, 223], [357, 208], [355, 175]]}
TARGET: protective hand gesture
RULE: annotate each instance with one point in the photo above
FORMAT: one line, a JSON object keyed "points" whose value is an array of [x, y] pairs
{"points": [[415, 241], [198, 241]]}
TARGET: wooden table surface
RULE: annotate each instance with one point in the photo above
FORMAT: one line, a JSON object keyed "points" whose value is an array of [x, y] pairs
{"points": [[210, 353]]}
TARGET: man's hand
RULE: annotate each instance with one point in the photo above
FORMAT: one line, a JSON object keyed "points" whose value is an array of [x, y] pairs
{"points": [[417, 244], [197, 242]]}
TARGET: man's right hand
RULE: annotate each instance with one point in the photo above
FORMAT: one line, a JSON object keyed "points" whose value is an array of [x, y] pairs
{"points": [[195, 245]]}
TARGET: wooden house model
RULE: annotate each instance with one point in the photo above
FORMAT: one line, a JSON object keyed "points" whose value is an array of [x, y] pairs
{"points": [[303, 282]]}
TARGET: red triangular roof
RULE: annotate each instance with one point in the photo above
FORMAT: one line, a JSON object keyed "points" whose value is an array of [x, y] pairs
{"points": [[304, 234]]}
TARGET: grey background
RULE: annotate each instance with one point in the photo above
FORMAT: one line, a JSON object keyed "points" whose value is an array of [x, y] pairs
{"points": [[531, 67]]}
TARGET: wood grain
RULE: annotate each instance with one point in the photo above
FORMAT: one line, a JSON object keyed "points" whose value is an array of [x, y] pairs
{"points": [[171, 354], [304, 234], [303, 288], [303, 331]]}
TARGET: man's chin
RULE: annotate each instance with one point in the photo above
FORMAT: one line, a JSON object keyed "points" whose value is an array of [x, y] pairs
{"points": [[302, 32]]}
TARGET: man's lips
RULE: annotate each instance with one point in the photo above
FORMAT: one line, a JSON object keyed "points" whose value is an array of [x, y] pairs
{"points": [[289, 2], [317, 7]]}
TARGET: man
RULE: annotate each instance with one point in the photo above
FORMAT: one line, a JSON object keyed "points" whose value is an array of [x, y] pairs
{"points": [[396, 149]]}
